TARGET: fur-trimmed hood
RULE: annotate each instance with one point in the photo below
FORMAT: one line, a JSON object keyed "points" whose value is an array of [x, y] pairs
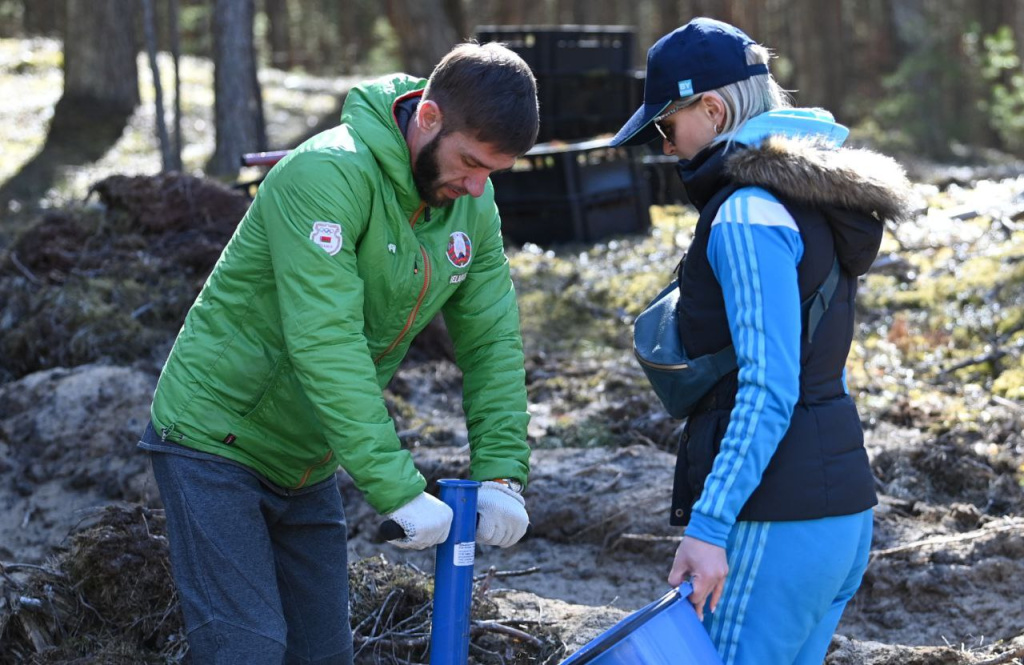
{"points": [[797, 154], [808, 170]]}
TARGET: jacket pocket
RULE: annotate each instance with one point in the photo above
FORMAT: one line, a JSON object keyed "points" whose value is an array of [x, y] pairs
{"points": [[698, 446], [264, 394], [282, 430]]}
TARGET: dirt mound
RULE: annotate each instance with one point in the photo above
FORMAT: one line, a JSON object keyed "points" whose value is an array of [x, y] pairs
{"points": [[108, 597], [172, 202], [67, 446], [611, 497], [960, 588], [112, 280], [962, 465]]}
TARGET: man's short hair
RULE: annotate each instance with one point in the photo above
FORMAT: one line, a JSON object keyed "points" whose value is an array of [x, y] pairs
{"points": [[488, 92]]}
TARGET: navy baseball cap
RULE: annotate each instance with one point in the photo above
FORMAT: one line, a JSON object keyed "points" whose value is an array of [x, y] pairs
{"points": [[703, 55]]}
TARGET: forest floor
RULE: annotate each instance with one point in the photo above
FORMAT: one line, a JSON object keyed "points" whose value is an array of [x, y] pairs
{"points": [[93, 287]]}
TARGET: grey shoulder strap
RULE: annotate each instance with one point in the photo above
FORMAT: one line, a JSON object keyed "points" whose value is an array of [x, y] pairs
{"points": [[817, 303]]}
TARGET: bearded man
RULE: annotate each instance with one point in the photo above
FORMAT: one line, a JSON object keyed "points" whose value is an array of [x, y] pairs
{"points": [[352, 244]]}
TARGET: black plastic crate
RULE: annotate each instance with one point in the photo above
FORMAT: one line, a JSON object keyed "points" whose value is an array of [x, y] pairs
{"points": [[566, 49], [581, 106], [565, 192], [585, 220], [533, 46], [663, 182]]}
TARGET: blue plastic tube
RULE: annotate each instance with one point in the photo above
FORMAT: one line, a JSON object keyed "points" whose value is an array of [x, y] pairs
{"points": [[453, 576]]}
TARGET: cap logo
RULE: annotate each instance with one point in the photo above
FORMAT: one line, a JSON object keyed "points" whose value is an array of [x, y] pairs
{"points": [[460, 249], [328, 236], [686, 88]]}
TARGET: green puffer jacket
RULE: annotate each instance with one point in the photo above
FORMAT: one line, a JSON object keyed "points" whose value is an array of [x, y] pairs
{"points": [[334, 269]]}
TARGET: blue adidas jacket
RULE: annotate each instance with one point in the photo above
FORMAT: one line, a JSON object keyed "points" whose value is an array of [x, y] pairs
{"points": [[780, 439]]}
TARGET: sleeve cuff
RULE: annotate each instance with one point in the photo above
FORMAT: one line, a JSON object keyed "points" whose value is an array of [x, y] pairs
{"points": [[708, 529]]}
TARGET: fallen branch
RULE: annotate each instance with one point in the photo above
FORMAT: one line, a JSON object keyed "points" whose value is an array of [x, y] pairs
{"points": [[400, 640], [995, 355], [494, 574], [1004, 658], [30, 566], [29, 275], [477, 627], [1014, 525], [36, 631], [412, 640], [1008, 403], [650, 538]]}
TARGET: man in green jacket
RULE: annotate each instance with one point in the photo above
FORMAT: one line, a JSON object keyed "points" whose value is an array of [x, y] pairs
{"points": [[353, 243]]}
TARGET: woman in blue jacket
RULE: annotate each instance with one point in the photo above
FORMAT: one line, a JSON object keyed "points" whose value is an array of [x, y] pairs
{"points": [[772, 480]]}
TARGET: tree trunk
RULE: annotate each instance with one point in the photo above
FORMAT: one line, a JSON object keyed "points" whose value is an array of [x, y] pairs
{"points": [[236, 88], [279, 34], [101, 90], [456, 14], [424, 33], [355, 36], [667, 18], [819, 54], [99, 56], [175, 38], [149, 23], [583, 11], [510, 12], [44, 17], [873, 44], [1016, 22]]}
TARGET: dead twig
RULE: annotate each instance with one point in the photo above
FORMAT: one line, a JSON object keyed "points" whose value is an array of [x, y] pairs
{"points": [[412, 432], [650, 538], [29, 275], [481, 626], [643, 499], [995, 355], [1014, 525], [491, 572], [1017, 653], [401, 640], [30, 566], [1008, 403], [483, 582]]}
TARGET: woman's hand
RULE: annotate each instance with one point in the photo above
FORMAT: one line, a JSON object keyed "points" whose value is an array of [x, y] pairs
{"points": [[705, 566]]}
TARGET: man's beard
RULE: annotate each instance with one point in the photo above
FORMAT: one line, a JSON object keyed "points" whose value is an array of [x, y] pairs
{"points": [[426, 173]]}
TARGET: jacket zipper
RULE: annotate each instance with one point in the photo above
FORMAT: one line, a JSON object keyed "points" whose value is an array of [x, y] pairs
{"points": [[423, 290], [648, 363], [309, 469]]}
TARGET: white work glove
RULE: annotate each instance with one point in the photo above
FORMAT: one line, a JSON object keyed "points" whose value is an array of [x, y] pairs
{"points": [[502, 511], [425, 520]]}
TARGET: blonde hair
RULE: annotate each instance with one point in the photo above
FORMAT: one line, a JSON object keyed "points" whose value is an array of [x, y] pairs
{"points": [[753, 96]]}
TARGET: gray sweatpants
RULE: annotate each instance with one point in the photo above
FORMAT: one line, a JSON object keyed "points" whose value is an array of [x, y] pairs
{"points": [[262, 573]]}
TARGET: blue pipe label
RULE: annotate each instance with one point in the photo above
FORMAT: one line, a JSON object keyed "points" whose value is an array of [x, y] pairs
{"points": [[464, 553]]}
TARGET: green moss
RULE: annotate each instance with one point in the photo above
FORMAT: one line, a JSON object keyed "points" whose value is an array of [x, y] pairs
{"points": [[1010, 383]]}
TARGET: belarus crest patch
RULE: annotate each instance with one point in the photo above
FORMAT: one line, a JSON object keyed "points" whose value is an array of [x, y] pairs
{"points": [[460, 249], [328, 236]]}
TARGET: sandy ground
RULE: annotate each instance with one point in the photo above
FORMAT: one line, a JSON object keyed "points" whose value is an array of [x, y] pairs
{"points": [[943, 574]]}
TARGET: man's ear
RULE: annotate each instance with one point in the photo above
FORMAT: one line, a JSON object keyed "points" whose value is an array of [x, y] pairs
{"points": [[429, 116]]}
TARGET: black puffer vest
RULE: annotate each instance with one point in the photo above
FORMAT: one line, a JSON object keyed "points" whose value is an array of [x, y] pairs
{"points": [[820, 468]]}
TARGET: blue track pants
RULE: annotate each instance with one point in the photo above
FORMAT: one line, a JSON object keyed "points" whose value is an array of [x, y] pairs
{"points": [[787, 587]]}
